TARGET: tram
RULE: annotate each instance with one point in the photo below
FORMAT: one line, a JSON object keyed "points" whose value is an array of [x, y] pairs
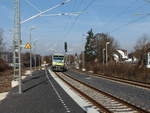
{"points": [[59, 63]]}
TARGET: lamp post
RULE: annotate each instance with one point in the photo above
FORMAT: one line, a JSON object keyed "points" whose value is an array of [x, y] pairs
{"points": [[35, 57], [107, 51], [70, 50], [103, 56], [83, 61], [31, 29], [83, 55]]}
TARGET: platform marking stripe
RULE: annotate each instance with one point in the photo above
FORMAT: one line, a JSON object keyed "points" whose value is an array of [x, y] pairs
{"points": [[81, 101], [58, 95]]}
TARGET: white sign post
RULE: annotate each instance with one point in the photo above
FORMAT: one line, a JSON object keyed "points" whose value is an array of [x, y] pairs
{"points": [[148, 60]]}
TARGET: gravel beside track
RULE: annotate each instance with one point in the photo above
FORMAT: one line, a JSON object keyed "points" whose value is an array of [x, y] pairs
{"points": [[136, 96], [109, 103]]}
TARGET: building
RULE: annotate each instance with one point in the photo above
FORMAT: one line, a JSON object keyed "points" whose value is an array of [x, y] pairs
{"points": [[148, 59], [121, 55], [7, 57]]}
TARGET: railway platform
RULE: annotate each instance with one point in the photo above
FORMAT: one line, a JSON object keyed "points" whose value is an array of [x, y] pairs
{"points": [[39, 96]]}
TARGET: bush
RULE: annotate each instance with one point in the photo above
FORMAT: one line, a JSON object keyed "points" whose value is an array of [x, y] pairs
{"points": [[3, 66], [121, 70]]}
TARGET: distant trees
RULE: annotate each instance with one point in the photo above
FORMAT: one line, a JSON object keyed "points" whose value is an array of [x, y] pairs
{"points": [[100, 41], [48, 59], [141, 48], [1, 40], [3, 64], [26, 59], [89, 46], [95, 45]]}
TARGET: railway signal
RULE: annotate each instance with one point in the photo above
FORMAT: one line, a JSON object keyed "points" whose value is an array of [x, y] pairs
{"points": [[65, 47]]}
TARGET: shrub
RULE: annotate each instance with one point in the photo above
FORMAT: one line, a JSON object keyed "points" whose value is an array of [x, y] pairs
{"points": [[3, 65], [121, 70]]}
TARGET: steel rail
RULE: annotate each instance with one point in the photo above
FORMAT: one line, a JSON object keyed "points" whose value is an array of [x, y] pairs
{"points": [[140, 110], [129, 82], [101, 107]]}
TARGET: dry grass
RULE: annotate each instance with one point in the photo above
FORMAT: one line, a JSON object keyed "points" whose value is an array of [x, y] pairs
{"points": [[3, 66], [124, 71], [5, 80]]}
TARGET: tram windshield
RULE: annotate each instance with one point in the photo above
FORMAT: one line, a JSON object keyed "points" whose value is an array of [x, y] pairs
{"points": [[58, 58]]}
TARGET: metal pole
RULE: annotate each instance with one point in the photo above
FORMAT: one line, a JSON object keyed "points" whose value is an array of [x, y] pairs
{"points": [[35, 61], [69, 60], [17, 45], [20, 79], [35, 54], [106, 53], [103, 56], [83, 61], [30, 54], [39, 62]]}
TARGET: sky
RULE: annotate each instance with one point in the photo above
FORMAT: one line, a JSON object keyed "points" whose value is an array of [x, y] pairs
{"points": [[117, 17]]}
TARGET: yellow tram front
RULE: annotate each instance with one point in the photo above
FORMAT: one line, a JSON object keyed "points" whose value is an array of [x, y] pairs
{"points": [[58, 63]]}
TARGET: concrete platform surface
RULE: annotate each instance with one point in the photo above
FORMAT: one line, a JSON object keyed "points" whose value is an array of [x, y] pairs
{"points": [[3, 95], [39, 96]]}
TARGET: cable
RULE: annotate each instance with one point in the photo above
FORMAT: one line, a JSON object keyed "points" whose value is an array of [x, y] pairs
{"points": [[123, 13], [72, 25], [69, 22], [32, 5], [45, 11], [125, 25], [69, 19]]}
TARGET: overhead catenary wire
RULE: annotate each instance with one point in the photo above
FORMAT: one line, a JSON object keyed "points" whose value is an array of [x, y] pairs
{"points": [[43, 12], [121, 13], [127, 24], [84, 10], [67, 32], [69, 19], [32, 5], [132, 21], [147, 1], [64, 14]]}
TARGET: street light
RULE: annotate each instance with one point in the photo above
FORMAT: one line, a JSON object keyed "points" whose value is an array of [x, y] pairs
{"points": [[107, 51], [70, 50], [83, 54], [34, 45], [31, 29], [104, 56]]}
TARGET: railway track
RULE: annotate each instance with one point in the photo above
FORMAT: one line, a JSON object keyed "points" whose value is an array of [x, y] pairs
{"points": [[139, 84], [105, 102]]}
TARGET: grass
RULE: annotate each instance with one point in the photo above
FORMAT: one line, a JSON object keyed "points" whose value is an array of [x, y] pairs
{"points": [[120, 70], [5, 81]]}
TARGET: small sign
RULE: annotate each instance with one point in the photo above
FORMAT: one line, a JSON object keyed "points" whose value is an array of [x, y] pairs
{"points": [[27, 46]]}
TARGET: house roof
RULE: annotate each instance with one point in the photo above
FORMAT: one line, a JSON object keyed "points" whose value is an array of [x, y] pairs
{"points": [[123, 53]]}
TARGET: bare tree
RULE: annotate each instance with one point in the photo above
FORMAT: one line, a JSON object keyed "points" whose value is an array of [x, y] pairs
{"points": [[100, 44], [1, 40], [140, 49]]}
